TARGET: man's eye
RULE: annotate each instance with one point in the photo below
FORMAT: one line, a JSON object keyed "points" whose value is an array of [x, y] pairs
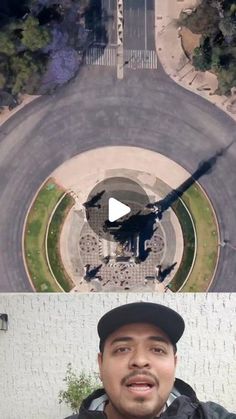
{"points": [[159, 350], [122, 349]]}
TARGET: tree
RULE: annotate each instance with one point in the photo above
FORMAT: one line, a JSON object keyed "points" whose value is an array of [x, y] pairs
{"points": [[78, 388], [201, 58], [34, 37], [226, 80], [227, 26], [24, 67], [7, 46], [2, 81], [215, 58], [204, 20], [232, 9]]}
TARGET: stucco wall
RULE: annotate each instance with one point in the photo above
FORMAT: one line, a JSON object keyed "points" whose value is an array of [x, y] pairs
{"points": [[46, 332]]}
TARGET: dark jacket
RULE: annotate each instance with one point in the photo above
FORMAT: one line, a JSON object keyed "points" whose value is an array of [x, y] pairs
{"points": [[186, 406]]}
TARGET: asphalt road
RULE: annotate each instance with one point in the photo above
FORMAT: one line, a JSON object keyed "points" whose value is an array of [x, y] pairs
{"points": [[146, 109], [138, 23]]}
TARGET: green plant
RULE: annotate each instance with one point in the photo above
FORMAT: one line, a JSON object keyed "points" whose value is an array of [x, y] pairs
{"points": [[2, 81], [202, 55], [34, 240], [78, 388], [34, 36], [53, 239], [204, 20], [226, 79], [216, 22], [7, 46], [227, 26]]}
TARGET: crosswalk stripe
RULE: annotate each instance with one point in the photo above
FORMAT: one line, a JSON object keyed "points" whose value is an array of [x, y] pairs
{"points": [[133, 59]]}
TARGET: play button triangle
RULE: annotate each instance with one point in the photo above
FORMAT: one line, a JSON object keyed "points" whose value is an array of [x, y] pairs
{"points": [[116, 209]]}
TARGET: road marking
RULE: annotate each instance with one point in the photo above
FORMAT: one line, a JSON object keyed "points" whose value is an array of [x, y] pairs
{"points": [[133, 59], [145, 24]]}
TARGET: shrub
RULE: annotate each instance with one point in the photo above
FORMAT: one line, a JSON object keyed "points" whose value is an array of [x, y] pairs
{"points": [[34, 37], [226, 80], [204, 20], [78, 388], [23, 68], [7, 46], [227, 26]]}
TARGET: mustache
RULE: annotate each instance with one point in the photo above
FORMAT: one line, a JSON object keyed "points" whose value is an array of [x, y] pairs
{"points": [[137, 373]]}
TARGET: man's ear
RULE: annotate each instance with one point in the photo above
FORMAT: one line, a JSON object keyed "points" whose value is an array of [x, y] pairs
{"points": [[100, 364], [176, 360]]}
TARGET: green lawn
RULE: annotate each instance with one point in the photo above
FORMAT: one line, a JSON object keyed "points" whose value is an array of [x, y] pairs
{"points": [[189, 245], [34, 240], [53, 242], [207, 240]]}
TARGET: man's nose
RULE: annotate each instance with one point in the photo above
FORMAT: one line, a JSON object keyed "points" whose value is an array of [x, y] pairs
{"points": [[139, 359]]}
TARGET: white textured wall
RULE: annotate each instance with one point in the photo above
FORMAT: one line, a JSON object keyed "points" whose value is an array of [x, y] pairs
{"points": [[48, 331]]}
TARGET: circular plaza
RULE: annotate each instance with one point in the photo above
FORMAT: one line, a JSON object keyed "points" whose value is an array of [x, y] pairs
{"points": [[161, 260]]}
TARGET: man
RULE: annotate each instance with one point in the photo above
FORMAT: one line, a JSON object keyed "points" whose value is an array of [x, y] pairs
{"points": [[137, 363]]}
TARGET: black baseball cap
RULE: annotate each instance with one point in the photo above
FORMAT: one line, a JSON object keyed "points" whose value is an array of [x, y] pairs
{"points": [[168, 320]]}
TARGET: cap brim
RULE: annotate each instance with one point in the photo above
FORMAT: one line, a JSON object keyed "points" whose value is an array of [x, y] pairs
{"points": [[168, 320]]}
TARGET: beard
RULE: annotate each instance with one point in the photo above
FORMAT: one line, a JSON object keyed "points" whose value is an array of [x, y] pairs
{"points": [[139, 408]]}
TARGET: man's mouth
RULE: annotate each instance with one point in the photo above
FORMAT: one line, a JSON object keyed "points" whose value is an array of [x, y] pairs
{"points": [[140, 386], [136, 384]]}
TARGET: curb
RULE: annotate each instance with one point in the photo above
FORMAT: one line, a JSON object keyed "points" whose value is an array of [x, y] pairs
{"points": [[46, 247], [24, 233], [195, 248], [18, 108], [46, 240], [218, 235]]}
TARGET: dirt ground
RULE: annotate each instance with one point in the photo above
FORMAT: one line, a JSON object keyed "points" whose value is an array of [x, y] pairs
{"points": [[189, 40]]}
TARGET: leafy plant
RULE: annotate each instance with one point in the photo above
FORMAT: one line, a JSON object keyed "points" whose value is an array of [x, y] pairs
{"points": [[34, 37], [202, 56], [24, 68], [7, 46], [216, 21], [2, 81], [227, 26], [78, 388]]}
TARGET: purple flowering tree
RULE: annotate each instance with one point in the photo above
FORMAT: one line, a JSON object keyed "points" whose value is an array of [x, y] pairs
{"points": [[62, 67]]}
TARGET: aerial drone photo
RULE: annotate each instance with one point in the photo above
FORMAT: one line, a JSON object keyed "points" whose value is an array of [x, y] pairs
{"points": [[117, 146]]}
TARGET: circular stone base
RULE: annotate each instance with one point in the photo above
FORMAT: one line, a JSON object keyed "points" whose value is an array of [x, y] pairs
{"points": [[112, 267]]}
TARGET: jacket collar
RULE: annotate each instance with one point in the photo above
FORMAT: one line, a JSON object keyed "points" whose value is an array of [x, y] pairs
{"points": [[182, 405]]}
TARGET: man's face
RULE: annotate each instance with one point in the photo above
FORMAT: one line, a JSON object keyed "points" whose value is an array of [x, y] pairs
{"points": [[137, 369]]}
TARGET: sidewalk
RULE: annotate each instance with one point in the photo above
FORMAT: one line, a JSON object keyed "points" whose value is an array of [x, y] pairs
{"points": [[174, 60], [6, 114]]}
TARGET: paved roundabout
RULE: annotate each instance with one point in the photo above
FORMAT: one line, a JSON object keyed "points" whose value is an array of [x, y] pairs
{"points": [[147, 110]]}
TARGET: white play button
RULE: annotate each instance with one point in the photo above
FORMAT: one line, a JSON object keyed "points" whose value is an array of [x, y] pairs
{"points": [[116, 209]]}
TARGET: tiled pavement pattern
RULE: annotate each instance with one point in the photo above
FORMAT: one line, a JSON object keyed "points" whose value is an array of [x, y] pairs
{"points": [[116, 276], [46, 332], [80, 246]]}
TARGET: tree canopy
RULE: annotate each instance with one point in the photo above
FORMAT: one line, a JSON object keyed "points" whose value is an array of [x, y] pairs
{"points": [[34, 37], [32, 34], [216, 21]]}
